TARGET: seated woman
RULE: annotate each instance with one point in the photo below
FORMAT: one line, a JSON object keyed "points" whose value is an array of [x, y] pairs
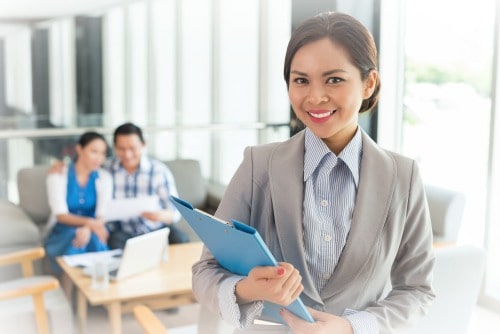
{"points": [[76, 199]]}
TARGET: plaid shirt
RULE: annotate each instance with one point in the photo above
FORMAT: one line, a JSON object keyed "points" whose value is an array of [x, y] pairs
{"points": [[152, 177]]}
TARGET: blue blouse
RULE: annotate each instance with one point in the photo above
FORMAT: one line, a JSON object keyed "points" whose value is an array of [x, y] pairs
{"points": [[81, 200]]}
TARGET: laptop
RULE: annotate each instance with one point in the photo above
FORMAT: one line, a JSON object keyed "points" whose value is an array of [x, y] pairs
{"points": [[140, 254]]}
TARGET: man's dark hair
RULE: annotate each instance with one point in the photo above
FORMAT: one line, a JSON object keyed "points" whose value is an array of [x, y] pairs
{"points": [[128, 129]]}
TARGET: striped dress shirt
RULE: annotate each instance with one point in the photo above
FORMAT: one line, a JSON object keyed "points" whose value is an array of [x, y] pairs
{"points": [[331, 184], [152, 177]]}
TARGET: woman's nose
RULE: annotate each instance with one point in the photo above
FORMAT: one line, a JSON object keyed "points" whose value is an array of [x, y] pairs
{"points": [[318, 95]]}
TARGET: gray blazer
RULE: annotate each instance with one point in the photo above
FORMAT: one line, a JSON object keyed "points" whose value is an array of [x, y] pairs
{"points": [[390, 240]]}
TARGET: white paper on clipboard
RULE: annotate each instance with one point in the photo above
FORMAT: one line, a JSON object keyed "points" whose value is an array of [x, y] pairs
{"points": [[126, 208]]}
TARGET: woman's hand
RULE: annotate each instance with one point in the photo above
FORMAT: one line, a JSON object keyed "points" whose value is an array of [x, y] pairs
{"points": [[82, 237], [280, 285], [326, 323], [97, 226]]}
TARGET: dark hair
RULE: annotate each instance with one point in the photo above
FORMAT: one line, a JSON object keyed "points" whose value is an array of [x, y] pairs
{"points": [[128, 129], [90, 136], [344, 30]]}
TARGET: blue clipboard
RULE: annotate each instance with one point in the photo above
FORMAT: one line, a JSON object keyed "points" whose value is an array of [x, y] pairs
{"points": [[238, 248]]}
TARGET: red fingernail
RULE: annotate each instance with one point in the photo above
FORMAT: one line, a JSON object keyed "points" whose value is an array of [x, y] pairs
{"points": [[281, 270]]}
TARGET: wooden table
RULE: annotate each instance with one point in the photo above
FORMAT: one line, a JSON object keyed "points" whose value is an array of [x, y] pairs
{"points": [[167, 286]]}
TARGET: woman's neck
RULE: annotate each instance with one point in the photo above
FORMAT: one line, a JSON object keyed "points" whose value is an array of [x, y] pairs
{"points": [[81, 169], [82, 173], [339, 142]]}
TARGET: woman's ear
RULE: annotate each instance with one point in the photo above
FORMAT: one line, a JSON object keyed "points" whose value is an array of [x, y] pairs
{"points": [[78, 149], [370, 84]]}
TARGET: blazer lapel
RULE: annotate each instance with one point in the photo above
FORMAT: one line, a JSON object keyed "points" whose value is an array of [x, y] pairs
{"points": [[286, 179], [376, 184]]}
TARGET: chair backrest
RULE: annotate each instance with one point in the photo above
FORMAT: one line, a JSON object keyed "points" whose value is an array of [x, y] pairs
{"points": [[32, 188], [189, 181], [446, 209], [458, 274]]}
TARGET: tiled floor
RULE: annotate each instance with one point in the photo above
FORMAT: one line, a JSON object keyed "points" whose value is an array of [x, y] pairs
{"points": [[184, 322]]}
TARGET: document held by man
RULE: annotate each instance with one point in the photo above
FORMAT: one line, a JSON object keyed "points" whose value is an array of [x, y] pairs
{"points": [[126, 208]]}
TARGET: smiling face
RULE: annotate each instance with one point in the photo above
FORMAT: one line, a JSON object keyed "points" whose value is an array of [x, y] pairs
{"points": [[326, 92], [128, 149]]}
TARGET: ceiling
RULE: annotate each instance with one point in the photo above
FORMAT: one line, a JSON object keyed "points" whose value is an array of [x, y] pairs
{"points": [[14, 13], [18, 11]]}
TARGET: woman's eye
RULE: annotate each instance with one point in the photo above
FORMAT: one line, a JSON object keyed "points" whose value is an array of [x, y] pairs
{"points": [[300, 81], [334, 80]]}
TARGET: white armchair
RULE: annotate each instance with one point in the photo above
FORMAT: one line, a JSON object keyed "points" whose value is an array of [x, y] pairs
{"points": [[458, 274], [459, 269], [32, 304], [446, 208]]}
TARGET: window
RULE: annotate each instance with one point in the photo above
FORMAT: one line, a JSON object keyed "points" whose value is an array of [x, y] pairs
{"points": [[447, 113], [200, 78]]}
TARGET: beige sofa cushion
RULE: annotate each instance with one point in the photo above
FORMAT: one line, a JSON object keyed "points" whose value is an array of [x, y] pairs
{"points": [[17, 228], [32, 188]]}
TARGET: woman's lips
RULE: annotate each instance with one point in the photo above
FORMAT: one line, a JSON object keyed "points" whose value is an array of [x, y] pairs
{"points": [[320, 117]]}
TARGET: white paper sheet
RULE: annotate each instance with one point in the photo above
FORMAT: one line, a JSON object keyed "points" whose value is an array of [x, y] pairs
{"points": [[88, 259], [126, 208]]}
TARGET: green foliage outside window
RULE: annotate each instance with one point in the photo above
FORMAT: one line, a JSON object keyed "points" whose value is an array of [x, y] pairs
{"points": [[418, 72]]}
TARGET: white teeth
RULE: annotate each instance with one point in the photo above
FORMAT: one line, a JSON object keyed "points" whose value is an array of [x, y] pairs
{"points": [[323, 115]]}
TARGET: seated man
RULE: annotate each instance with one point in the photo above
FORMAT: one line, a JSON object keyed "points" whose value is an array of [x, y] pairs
{"points": [[134, 175]]}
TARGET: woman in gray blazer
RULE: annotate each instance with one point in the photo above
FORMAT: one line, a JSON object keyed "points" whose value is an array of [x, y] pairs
{"points": [[347, 221]]}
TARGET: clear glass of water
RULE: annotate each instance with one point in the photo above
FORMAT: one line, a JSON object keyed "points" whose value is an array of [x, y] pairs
{"points": [[100, 274]]}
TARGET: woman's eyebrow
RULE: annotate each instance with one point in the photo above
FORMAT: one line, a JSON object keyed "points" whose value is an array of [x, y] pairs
{"points": [[302, 74], [327, 73]]}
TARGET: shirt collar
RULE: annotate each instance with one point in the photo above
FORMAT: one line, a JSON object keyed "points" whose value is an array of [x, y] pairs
{"points": [[351, 155], [145, 164], [316, 149]]}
